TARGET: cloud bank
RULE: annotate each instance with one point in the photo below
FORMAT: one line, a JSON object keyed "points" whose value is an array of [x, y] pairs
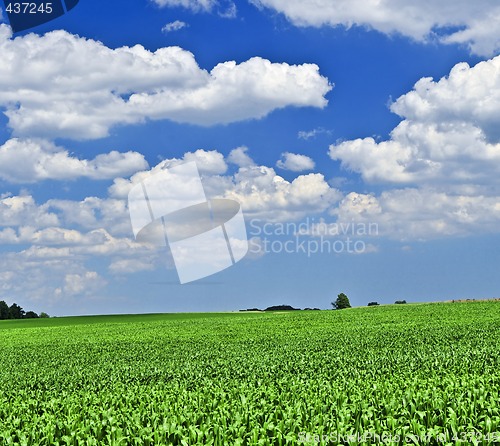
{"points": [[441, 165], [475, 24], [91, 88], [25, 161], [449, 133]]}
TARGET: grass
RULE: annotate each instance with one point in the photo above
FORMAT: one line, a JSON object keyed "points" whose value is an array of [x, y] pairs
{"points": [[106, 319], [430, 370]]}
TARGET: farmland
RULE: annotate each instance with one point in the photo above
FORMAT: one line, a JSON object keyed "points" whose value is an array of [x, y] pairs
{"points": [[329, 377]]}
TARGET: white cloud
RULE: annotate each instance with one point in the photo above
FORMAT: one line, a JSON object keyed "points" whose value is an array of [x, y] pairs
{"points": [[48, 236], [55, 261], [305, 135], [174, 26], [468, 94], [48, 283], [449, 134], [22, 210], [91, 87], [56, 239], [194, 5], [29, 161], [92, 221], [225, 8], [476, 24], [128, 266], [295, 162], [208, 162], [265, 195], [422, 214], [75, 284], [240, 157], [63, 242], [235, 92], [93, 213], [446, 151], [261, 192]]}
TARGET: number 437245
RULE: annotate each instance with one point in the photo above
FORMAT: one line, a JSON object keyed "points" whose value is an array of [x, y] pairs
{"points": [[29, 8]]}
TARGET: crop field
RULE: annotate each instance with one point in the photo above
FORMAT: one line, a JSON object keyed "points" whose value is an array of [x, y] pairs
{"points": [[399, 374]]}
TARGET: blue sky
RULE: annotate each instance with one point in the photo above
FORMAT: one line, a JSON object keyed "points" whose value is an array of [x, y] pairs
{"points": [[337, 113]]}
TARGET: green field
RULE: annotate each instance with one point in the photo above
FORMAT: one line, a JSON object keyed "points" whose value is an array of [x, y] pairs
{"points": [[359, 376]]}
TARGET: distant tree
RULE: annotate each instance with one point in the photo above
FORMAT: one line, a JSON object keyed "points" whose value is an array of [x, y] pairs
{"points": [[4, 310], [15, 312], [372, 304], [281, 308], [44, 315], [341, 302], [400, 302], [31, 315]]}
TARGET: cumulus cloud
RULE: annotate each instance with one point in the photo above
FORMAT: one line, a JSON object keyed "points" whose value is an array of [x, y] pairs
{"points": [[475, 24], [209, 162], [240, 157], [48, 282], [91, 88], [174, 26], [101, 226], [259, 189], [295, 162], [57, 238], [449, 133], [29, 161], [422, 214], [96, 243], [265, 195], [92, 213], [63, 242], [57, 250], [75, 284], [49, 236], [443, 159], [23, 210]]}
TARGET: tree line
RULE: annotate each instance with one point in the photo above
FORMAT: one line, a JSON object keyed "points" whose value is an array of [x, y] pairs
{"points": [[16, 312], [342, 302]]}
